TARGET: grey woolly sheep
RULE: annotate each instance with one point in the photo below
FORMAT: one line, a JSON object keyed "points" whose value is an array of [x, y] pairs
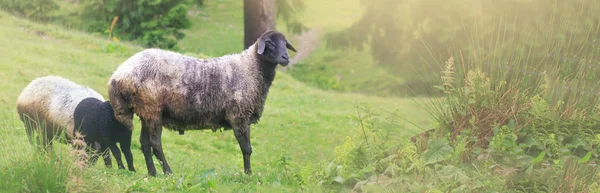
{"points": [[95, 120], [182, 93], [46, 106]]}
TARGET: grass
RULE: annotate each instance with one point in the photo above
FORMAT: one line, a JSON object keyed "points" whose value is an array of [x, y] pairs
{"points": [[217, 29], [299, 129], [523, 127], [340, 70]]}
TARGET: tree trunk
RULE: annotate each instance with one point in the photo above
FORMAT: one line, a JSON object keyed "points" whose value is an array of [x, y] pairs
{"points": [[259, 16]]}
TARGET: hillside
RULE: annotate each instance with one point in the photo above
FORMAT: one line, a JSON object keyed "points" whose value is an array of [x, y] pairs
{"points": [[301, 124], [217, 28]]}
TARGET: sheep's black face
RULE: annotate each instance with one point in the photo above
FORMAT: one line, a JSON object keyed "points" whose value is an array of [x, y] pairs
{"points": [[273, 46]]}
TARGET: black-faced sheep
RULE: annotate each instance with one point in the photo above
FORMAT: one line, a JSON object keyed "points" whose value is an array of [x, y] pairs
{"points": [[95, 120], [46, 108], [185, 93]]}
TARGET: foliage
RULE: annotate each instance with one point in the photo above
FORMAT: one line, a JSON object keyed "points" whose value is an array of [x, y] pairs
{"points": [[410, 37], [443, 164], [361, 155], [509, 121], [288, 10], [32, 9], [152, 23]]}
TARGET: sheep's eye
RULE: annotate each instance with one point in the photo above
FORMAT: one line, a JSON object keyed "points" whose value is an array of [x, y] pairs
{"points": [[271, 45]]}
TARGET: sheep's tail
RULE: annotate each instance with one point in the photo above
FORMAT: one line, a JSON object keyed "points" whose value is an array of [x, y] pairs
{"points": [[120, 104]]}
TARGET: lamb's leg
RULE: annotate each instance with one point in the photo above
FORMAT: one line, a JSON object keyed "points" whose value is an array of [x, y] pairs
{"points": [[106, 155], [126, 148], [242, 134], [92, 149], [93, 156], [147, 148], [155, 140], [117, 154]]}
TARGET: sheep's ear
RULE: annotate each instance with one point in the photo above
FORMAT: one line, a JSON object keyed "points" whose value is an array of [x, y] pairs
{"points": [[261, 45], [288, 45]]}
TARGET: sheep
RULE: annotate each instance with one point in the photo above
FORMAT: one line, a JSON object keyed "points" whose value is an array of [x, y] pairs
{"points": [[46, 105], [95, 119], [180, 92]]}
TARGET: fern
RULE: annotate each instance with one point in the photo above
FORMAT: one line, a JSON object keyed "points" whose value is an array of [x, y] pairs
{"points": [[437, 151]]}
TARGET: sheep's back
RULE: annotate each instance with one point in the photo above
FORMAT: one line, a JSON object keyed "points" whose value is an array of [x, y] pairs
{"points": [[186, 90], [53, 99]]}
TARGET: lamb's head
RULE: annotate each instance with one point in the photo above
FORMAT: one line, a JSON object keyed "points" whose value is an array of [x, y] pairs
{"points": [[273, 46]]}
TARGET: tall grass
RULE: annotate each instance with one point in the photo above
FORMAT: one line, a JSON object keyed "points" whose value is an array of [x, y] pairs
{"points": [[518, 114], [32, 167], [492, 81], [533, 97]]}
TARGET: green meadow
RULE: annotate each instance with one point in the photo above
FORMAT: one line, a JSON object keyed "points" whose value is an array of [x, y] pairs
{"points": [[299, 130], [509, 100]]}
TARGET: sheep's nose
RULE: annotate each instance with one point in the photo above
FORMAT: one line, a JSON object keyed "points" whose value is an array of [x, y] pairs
{"points": [[285, 56]]}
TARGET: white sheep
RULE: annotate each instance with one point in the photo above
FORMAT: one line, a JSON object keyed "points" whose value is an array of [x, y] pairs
{"points": [[47, 104], [185, 93]]}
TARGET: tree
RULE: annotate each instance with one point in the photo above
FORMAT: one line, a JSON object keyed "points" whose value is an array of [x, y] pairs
{"points": [[259, 16]]}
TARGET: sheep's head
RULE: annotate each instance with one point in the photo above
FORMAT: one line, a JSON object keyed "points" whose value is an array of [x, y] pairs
{"points": [[273, 46]]}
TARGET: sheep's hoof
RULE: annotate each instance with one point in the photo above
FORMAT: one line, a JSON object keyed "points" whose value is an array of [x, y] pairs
{"points": [[181, 132]]}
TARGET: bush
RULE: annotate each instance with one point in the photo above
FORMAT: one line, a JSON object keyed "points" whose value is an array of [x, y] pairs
{"points": [[154, 23], [441, 163], [33, 9]]}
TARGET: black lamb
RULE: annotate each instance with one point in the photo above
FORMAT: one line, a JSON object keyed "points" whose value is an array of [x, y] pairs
{"points": [[96, 121]]}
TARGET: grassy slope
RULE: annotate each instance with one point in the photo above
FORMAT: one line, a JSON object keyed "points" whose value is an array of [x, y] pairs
{"points": [[342, 70], [301, 123], [218, 29]]}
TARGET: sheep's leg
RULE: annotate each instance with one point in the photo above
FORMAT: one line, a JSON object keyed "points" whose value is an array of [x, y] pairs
{"points": [[93, 156], [108, 140], [147, 148], [106, 155], [126, 148], [92, 149], [117, 154], [242, 134], [30, 128], [48, 137], [155, 140]]}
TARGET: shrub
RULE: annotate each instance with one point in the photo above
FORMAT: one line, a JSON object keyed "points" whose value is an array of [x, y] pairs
{"points": [[154, 23], [442, 163], [33, 9]]}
